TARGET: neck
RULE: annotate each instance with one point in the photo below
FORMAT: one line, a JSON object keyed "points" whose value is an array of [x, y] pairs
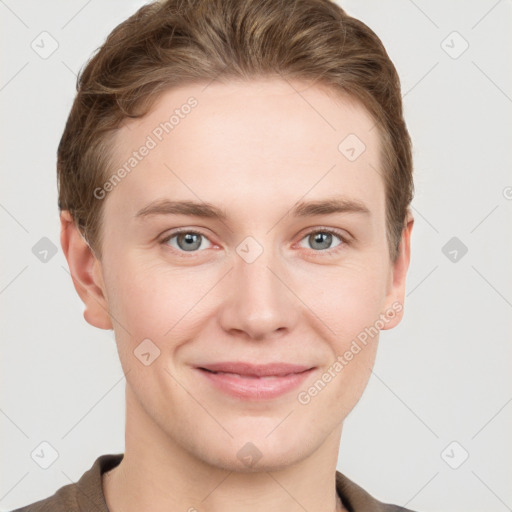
{"points": [[158, 474]]}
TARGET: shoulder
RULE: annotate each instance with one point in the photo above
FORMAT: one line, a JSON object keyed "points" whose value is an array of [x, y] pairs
{"points": [[86, 494], [358, 500], [63, 499]]}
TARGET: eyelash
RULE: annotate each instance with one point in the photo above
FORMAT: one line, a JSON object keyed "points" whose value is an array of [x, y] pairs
{"points": [[329, 252]]}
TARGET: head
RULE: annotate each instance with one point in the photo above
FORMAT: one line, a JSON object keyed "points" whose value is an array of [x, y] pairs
{"points": [[282, 122]]}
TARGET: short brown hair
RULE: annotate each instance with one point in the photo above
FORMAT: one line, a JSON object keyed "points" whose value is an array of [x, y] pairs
{"points": [[172, 43]]}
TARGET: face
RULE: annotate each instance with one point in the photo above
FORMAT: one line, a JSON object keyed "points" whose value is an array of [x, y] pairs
{"points": [[245, 268]]}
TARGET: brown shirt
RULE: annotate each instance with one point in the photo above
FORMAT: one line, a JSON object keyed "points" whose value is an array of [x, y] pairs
{"points": [[86, 495]]}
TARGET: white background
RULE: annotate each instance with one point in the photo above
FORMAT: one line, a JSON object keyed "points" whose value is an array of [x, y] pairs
{"points": [[444, 374]]}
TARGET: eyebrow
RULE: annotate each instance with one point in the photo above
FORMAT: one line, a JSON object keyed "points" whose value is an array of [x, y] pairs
{"points": [[195, 209], [208, 210], [328, 206]]}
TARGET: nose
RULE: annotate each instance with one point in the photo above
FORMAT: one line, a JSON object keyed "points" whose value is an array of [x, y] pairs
{"points": [[258, 299]]}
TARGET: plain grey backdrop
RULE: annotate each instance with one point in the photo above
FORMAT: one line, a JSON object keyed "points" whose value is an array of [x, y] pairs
{"points": [[432, 430]]}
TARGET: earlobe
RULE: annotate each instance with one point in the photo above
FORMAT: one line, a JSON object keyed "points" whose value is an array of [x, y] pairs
{"points": [[396, 296], [85, 272]]}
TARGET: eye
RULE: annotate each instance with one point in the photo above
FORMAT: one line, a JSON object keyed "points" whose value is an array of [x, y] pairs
{"points": [[187, 241], [321, 240]]}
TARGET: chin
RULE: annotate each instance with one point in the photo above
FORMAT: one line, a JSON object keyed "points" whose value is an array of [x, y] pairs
{"points": [[252, 452], [260, 462]]}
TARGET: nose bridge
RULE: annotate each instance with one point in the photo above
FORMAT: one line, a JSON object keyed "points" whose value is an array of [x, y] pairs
{"points": [[257, 301]]}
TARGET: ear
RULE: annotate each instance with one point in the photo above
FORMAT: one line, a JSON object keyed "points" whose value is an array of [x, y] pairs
{"points": [[396, 285], [86, 273]]}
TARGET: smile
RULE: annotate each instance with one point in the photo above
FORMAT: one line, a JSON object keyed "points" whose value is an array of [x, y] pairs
{"points": [[246, 381]]}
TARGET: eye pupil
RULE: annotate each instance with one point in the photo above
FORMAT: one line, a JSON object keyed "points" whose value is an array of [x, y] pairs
{"points": [[322, 238], [193, 241]]}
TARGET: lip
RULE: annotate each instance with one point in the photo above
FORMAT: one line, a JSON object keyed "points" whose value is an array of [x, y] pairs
{"points": [[248, 381]]}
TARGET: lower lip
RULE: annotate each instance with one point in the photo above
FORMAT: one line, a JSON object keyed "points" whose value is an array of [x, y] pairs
{"points": [[255, 388]]}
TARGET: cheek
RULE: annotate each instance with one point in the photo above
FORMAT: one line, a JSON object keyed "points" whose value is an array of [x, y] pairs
{"points": [[155, 301], [348, 302], [348, 379], [348, 311], [346, 299]]}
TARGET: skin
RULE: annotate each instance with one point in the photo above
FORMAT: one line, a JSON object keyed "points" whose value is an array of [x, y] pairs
{"points": [[254, 149]]}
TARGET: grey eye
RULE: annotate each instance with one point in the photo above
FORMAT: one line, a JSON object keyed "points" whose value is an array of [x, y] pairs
{"points": [[321, 240], [187, 241]]}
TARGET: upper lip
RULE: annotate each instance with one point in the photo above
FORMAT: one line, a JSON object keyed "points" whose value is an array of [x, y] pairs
{"points": [[255, 370]]}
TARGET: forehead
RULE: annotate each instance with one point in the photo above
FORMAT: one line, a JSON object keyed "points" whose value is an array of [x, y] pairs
{"points": [[267, 138]]}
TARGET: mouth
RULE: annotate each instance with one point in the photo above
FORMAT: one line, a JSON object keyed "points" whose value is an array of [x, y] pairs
{"points": [[246, 381]]}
